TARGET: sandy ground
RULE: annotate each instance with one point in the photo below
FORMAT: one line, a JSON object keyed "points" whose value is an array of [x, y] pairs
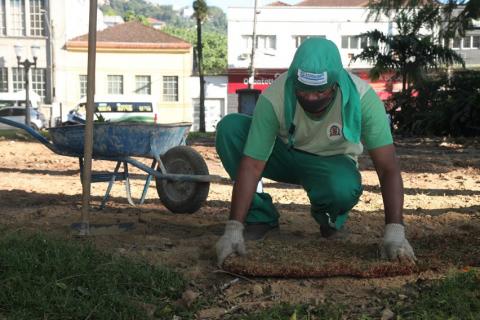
{"points": [[40, 190]]}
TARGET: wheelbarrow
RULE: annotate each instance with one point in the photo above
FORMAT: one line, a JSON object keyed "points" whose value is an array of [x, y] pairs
{"points": [[181, 174]]}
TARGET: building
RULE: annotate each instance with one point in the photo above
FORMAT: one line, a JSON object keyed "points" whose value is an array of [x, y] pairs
{"points": [[215, 101], [281, 28], [131, 59], [45, 24], [128, 55], [157, 24], [111, 21]]}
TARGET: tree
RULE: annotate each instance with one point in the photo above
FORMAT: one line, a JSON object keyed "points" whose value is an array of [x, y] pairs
{"points": [[410, 53], [131, 16], [453, 16], [201, 11], [214, 47]]}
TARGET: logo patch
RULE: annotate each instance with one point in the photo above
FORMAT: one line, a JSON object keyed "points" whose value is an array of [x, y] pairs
{"points": [[334, 131], [312, 79]]}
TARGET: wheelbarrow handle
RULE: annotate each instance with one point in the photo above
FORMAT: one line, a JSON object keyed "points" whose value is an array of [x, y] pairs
{"points": [[32, 132]]}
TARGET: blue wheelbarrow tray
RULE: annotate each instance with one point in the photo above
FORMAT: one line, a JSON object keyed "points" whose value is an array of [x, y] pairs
{"points": [[123, 139]]}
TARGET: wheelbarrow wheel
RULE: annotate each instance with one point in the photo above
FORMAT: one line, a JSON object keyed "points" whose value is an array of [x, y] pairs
{"points": [[183, 196]]}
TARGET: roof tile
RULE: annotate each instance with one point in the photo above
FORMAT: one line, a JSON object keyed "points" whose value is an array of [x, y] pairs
{"points": [[133, 34]]}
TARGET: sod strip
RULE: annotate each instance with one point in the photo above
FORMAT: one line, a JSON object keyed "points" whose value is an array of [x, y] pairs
{"points": [[320, 259]]}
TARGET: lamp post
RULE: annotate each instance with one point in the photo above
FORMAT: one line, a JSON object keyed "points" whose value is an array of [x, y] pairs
{"points": [[27, 64]]}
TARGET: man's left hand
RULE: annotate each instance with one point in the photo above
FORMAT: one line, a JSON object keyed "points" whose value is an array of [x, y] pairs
{"points": [[395, 245]]}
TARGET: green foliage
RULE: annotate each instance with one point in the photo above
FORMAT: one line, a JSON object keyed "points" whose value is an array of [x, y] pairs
{"points": [[456, 297], [214, 47], [201, 10], [44, 277], [215, 19], [409, 54], [452, 16], [441, 106], [131, 16]]}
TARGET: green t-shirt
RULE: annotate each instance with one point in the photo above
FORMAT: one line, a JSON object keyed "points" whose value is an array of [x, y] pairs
{"points": [[316, 136]]}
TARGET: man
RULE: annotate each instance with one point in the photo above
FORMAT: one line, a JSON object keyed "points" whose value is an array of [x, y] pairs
{"points": [[306, 129]]}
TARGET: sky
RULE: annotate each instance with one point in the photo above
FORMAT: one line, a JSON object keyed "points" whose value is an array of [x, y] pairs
{"points": [[224, 4]]}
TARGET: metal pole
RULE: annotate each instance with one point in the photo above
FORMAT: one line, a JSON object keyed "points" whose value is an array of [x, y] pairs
{"points": [[27, 94], [49, 54], [87, 152], [251, 78]]}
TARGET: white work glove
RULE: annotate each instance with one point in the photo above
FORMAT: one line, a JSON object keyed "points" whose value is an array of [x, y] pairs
{"points": [[231, 241], [395, 246]]}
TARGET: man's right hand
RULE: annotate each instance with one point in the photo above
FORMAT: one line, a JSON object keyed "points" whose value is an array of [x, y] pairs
{"points": [[231, 242]]}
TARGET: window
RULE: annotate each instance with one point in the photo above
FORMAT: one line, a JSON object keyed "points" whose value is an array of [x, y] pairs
{"points": [[115, 84], [300, 39], [2, 18], [364, 42], [170, 88], [263, 42], [18, 79], [247, 42], [356, 42], [143, 85], [17, 16], [266, 42], [3, 80], [83, 85], [38, 81], [456, 43], [475, 41], [36, 17]]}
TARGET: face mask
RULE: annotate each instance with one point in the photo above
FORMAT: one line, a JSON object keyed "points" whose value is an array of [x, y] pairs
{"points": [[317, 104]]}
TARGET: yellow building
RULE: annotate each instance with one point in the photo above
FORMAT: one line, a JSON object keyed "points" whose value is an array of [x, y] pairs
{"points": [[132, 59]]}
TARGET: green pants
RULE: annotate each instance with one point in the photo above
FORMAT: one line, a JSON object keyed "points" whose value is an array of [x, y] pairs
{"points": [[332, 183]]}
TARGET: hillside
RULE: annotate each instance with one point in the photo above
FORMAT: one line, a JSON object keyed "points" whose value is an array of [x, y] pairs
{"points": [[216, 22]]}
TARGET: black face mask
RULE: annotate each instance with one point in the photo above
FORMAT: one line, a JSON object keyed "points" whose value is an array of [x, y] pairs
{"points": [[317, 105]]}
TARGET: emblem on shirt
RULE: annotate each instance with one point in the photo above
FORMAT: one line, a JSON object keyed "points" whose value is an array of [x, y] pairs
{"points": [[334, 131]]}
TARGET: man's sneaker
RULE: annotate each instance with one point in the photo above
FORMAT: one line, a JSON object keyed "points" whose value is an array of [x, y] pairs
{"points": [[330, 233], [257, 231], [327, 232]]}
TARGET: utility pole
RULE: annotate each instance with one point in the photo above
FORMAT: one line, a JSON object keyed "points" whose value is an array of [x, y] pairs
{"points": [[251, 78], [200, 8]]}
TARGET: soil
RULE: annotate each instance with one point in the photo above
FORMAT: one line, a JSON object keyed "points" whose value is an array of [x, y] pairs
{"points": [[40, 190]]}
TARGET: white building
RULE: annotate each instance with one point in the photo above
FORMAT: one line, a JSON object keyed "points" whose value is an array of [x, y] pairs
{"points": [[47, 24], [281, 28], [215, 101], [111, 21]]}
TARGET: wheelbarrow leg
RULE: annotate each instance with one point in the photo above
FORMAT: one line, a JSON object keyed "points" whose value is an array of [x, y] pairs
{"points": [[110, 184], [127, 184], [147, 183]]}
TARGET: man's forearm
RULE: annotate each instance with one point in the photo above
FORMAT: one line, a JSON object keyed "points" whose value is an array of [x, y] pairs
{"points": [[248, 175], [392, 194]]}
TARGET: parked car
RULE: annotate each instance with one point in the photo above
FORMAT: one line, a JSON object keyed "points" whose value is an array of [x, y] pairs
{"points": [[17, 114]]}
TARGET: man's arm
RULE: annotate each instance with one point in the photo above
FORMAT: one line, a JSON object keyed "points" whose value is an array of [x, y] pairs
{"points": [[388, 171], [248, 175], [395, 245]]}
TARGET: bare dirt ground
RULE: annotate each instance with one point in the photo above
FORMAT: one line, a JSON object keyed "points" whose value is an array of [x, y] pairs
{"points": [[40, 190]]}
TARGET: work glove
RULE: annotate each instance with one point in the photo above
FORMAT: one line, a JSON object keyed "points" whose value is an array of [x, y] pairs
{"points": [[231, 241], [395, 245]]}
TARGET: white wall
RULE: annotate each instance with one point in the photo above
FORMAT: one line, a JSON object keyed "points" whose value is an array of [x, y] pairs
{"points": [[215, 100], [287, 22]]}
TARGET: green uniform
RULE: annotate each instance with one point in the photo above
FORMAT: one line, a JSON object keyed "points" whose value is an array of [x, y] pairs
{"points": [[318, 153]]}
